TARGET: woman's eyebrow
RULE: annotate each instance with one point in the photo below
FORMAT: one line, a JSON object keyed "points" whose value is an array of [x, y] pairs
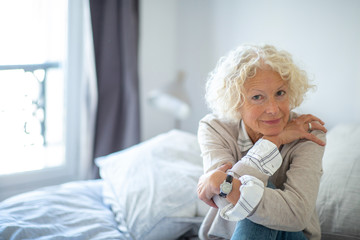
{"points": [[282, 86], [255, 89], [261, 90]]}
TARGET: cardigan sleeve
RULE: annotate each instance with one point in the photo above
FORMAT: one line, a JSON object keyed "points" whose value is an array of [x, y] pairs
{"points": [[265, 157], [216, 149], [291, 207], [218, 146]]}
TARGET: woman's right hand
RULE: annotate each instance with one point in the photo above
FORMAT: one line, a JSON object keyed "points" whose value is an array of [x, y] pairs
{"points": [[299, 128], [209, 184]]}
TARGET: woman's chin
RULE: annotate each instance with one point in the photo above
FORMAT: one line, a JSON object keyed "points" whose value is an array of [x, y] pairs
{"points": [[272, 132]]}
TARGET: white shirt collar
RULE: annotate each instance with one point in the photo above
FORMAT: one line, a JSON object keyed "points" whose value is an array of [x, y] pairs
{"points": [[244, 142]]}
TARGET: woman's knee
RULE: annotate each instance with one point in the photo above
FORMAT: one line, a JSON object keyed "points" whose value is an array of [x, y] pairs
{"points": [[246, 229]]}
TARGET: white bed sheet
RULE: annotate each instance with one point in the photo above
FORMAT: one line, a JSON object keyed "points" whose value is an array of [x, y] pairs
{"points": [[73, 210]]}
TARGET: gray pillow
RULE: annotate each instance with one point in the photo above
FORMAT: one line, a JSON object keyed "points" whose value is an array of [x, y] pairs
{"points": [[338, 203]]}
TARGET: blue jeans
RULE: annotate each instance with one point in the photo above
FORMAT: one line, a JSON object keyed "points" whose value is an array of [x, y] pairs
{"points": [[248, 230]]}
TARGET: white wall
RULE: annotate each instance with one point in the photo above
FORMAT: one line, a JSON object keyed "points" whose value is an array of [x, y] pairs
{"points": [[323, 36], [158, 34]]}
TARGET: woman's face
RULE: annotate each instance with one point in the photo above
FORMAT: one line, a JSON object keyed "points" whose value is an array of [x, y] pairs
{"points": [[266, 105]]}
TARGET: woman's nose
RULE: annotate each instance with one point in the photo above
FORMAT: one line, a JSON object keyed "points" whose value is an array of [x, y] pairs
{"points": [[272, 107]]}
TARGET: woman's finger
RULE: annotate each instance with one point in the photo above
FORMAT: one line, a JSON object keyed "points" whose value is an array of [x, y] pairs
{"points": [[318, 126], [211, 203], [225, 167], [308, 127], [311, 118], [313, 138], [202, 194]]}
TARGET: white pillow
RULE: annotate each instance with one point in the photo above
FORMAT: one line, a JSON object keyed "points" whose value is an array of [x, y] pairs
{"points": [[150, 185], [338, 203]]}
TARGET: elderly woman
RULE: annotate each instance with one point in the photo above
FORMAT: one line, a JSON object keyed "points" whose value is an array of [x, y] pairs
{"points": [[262, 161]]}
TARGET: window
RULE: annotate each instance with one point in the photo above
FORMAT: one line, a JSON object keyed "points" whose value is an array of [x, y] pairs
{"points": [[31, 131], [36, 121]]}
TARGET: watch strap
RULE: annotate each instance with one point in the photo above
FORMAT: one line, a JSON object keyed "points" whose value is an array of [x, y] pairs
{"points": [[229, 178]]}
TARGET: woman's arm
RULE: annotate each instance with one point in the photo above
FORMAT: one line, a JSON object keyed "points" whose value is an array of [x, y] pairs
{"points": [[296, 129], [291, 207], [218, 147]]}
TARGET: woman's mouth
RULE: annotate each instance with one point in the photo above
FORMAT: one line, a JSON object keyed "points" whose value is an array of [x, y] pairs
{"points": [[272, 122]]}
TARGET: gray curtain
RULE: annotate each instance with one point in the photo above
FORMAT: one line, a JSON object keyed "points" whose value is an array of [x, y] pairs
{"points": [[115, 33]]}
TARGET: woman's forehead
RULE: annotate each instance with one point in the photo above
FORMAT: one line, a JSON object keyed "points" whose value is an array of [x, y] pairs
{"points": [[264, 79]]}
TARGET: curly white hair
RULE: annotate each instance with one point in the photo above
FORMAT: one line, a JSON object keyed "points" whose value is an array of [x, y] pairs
{"points": [[224, 86]]}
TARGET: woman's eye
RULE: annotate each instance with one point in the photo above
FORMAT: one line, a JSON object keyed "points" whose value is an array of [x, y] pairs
{"points": [[256, 97], [280, 93]]}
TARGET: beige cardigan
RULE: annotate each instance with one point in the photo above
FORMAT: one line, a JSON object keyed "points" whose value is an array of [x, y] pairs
{"points": [[290, 207]]}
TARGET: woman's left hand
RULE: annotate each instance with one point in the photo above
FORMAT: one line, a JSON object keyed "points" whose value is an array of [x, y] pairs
{"points": [[299, 128], [209, 184]]}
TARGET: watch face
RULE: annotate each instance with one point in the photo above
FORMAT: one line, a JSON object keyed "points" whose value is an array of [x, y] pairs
{"points": [[226, 187]]}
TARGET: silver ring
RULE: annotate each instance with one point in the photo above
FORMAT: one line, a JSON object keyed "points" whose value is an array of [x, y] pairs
{"points": [[310, 127]]}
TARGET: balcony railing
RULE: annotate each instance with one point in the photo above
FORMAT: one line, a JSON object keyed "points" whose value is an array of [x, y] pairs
{"points": [[39, 103]]}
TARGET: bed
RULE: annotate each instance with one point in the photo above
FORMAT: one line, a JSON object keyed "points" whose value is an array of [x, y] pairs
{"points": [[133, 200]]}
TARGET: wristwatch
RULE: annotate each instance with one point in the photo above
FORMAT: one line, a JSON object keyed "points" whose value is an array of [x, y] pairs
{"points": [[226, 186]]}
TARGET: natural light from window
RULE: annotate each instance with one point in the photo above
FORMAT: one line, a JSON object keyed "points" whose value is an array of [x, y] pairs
{"points": [[32, 52]]}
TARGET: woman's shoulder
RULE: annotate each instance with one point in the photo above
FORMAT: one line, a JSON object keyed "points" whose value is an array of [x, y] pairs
{"points": [[212, 122], [294, 115], [215, 121]]}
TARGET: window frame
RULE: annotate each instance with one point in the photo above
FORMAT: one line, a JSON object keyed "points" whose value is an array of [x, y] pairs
{"points": [[12, 184]]}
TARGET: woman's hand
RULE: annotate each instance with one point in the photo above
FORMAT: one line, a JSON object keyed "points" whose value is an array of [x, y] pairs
{"points": [[299, 128], [209, 184]]}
